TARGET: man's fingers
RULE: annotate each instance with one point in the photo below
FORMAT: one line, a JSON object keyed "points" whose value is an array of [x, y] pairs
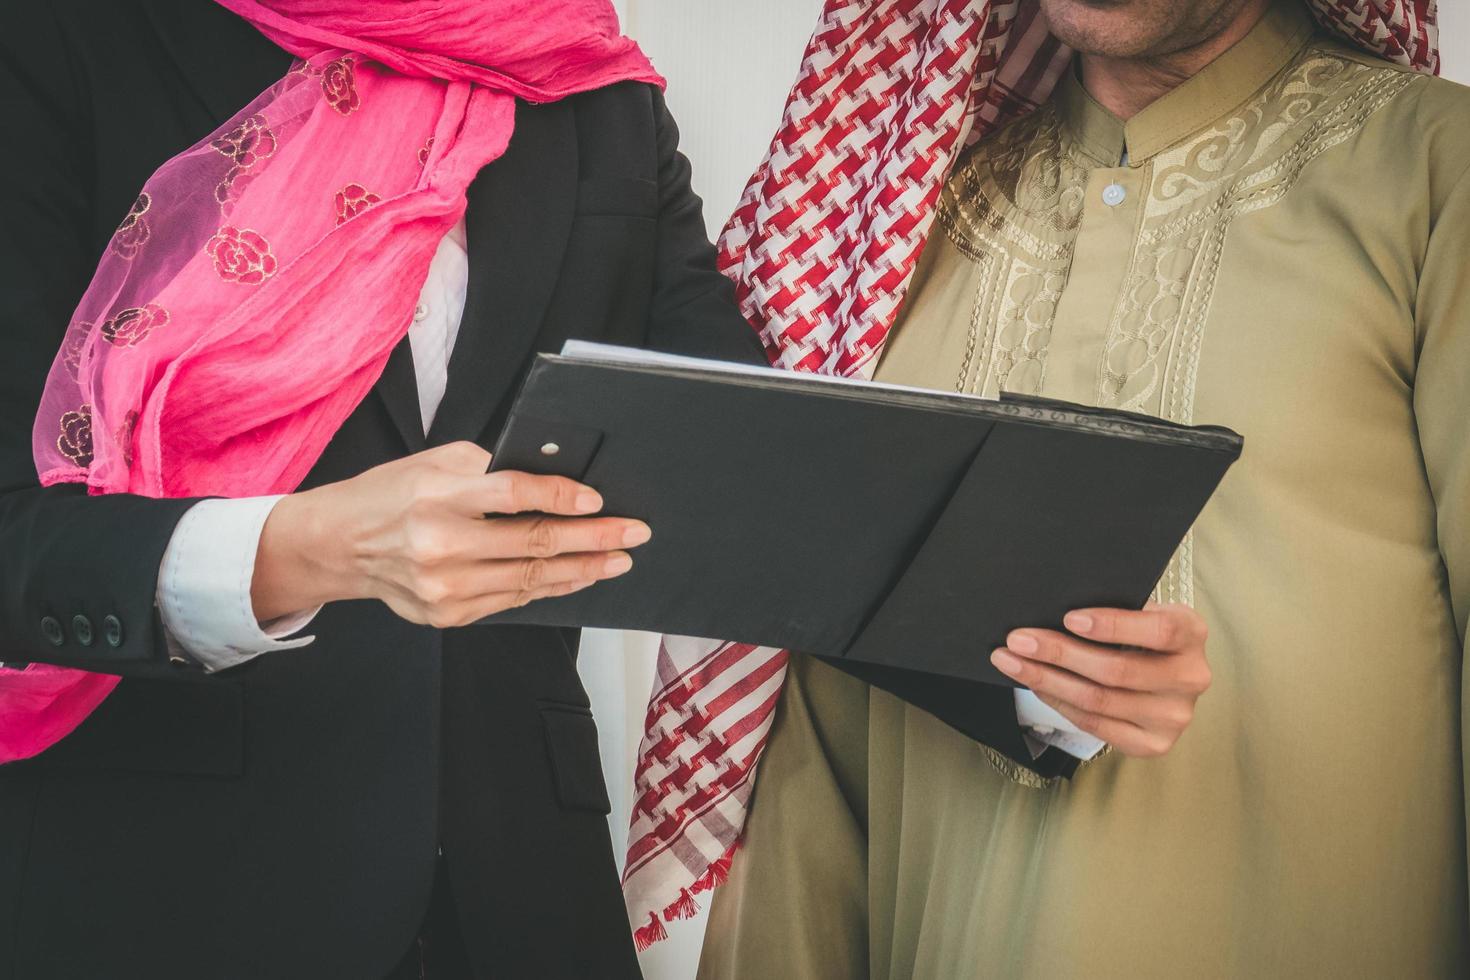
{"points": [[1145, 710], [1162, 628], [1121, 735], [1108, 666]]}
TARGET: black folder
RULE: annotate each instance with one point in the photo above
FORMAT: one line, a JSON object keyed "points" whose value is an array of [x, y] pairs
{"points": [[899, 533]]}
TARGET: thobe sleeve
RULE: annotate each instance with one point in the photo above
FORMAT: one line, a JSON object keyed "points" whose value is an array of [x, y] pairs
{"points": [[1442, 405]]}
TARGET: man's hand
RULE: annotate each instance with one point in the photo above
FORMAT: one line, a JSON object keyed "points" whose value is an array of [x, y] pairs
{"points": [[1140, 698], [414, 534]]}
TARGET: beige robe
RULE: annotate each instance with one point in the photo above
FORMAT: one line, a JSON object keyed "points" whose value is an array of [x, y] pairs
{"points": [[1286, 252]]}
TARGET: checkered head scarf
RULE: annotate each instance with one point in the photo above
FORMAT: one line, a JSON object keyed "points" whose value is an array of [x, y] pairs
{"points": [[821, 248]]}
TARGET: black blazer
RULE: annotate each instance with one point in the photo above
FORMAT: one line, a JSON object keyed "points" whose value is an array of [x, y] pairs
{"points": [[281, 819]]}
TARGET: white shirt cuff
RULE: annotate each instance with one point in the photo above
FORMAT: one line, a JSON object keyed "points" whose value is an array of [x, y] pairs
{"points": [[204, 586], [1045, 728]]}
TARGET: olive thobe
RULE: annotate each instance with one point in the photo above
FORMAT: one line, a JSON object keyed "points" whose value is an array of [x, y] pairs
{"points": [[1280, 245]]}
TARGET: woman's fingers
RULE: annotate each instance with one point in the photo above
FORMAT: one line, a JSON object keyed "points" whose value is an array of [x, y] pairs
{"points": [[457, 457], [512, 492], [463, 612], [544, 537], [488, 605], [520, 576], [441, 596]]}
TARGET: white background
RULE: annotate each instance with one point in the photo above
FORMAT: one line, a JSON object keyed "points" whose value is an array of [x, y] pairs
{"points": [[730, 64]]}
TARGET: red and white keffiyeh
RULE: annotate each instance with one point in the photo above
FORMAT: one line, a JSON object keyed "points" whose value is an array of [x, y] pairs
{"points": [[821, 248]]}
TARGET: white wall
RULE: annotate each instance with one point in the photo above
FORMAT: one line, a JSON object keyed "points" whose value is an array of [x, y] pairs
{"points": [[1454, 38], [730, 64]]}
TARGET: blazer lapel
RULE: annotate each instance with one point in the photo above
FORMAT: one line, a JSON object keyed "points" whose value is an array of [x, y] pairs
{"points": [[399, 390], [518, 222], [222, 59]]}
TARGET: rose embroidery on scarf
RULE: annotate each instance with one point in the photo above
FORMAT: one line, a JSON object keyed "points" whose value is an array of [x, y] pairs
{"points": [[339, 84], [75, 441], [125, 436], [71, 349], [241, 255], [129, 327], [352, 200], [133, 233], [246, 145]]}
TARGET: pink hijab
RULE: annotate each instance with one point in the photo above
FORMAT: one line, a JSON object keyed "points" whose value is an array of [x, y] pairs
{"points": [[251, 297]]}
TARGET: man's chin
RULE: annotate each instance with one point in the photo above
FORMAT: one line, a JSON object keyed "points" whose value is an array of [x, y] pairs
{"points": [[1113, 28]]}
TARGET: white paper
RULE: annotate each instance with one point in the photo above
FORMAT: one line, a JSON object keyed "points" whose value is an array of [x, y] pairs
{"points": [[585, 350]]}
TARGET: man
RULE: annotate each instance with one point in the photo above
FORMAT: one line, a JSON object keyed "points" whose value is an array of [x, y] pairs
{"points": [[1220, 215], [388, 798]]}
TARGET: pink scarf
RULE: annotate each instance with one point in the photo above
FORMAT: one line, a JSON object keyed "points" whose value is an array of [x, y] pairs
{"points": [[252, 295], [821, 249]]}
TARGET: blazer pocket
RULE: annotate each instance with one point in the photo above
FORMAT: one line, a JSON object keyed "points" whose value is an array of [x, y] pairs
{"points": [[576, 763], [628, 197]]}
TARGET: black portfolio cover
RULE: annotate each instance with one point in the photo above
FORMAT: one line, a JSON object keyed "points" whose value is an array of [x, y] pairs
{"points": [[900, 533]]}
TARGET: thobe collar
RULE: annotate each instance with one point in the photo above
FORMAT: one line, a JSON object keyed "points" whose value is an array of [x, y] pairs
{"points": [[1218, 88]]}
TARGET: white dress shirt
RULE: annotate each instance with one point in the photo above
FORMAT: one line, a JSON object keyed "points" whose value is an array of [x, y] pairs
{"points": [[204, 581]]}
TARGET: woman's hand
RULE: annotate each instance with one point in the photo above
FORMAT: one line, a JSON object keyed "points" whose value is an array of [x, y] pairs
{"points": [[1140, 698], [414, 533]]}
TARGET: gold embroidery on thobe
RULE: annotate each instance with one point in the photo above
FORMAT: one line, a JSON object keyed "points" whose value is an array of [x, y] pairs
{"points": [[1025, 174], [1245, 163], [1015, 206]]}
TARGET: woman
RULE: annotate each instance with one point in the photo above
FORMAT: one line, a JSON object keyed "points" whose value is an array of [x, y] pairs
{"points": [[364, 219]]}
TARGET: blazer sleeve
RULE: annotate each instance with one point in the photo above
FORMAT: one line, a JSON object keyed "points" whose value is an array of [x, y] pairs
{"points": [[67, 559], [693, 310]]}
